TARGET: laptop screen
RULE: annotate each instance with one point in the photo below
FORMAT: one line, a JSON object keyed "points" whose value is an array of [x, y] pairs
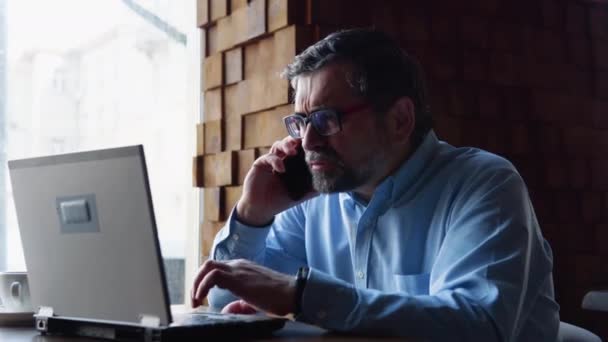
{"points": [[89, 235]]}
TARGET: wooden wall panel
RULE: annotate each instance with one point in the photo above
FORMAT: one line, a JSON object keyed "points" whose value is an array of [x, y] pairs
{"points": [[202, 78], [213, 107], [243, 24], [260, 151], [227, 33], [278, 13], [202, 12], [264, 128], [203, 52], [236, 4], [208, 231], [233, 133], [499, 50], [288, 42], [256, 18], [281, 13], [267, 93], [213, 70], [213, 202], [197, 171], [246, 44], [245, 159], [251, 60], [212, 43], [237, 97], [218, 169], [232, 195], [214, 137], [259, 58], [218, 9], [200, 139], [233, 66], [239, 27]]}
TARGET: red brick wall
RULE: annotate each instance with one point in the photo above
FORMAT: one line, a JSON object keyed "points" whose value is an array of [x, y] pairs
{"points": [[528, 80]]}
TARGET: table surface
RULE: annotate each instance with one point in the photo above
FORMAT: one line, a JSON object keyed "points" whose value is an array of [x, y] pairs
{"points": [[293, 331]]}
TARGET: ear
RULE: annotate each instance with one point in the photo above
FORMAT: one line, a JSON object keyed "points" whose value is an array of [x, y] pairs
{"points": [[402, 119]]}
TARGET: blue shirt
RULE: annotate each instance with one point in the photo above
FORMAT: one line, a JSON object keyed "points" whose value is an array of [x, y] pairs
{"points": [[448, 247]]}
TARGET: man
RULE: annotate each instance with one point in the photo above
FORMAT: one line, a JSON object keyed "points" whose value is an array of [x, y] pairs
{"points": [[404, 235]]}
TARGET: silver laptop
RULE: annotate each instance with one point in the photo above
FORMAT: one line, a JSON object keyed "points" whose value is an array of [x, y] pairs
{"points": [[92, 252]]}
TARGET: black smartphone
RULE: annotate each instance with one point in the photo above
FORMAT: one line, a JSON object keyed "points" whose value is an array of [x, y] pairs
{"points": [[297, 177]]}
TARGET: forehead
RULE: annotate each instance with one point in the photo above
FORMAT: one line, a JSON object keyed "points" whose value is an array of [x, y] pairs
{"points": [[327, 86]]}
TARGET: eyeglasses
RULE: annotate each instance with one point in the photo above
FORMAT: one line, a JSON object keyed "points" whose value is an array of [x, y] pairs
{"points": [[325, 121]]}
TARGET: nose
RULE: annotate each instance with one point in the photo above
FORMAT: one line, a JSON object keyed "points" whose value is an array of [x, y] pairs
{"points": [[311, 140]]}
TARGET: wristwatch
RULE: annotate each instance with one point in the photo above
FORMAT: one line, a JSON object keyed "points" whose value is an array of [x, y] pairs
{"points": [[301, 278]]}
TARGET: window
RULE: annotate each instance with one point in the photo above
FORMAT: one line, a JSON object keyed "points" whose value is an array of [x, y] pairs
{"points": [[81, 75]]}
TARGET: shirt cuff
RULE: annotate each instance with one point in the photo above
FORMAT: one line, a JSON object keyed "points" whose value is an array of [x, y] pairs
{"points": [[240, 240], [327, 301]]}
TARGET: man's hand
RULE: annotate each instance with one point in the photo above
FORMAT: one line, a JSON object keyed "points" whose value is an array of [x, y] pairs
{"points": [[261, 287], [239, 307], [264, 194]]}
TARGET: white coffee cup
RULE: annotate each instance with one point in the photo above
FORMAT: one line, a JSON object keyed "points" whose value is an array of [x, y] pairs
{"points": [[15, 292]]}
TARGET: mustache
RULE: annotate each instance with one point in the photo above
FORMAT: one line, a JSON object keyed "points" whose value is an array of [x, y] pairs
{"points": [[325, 155]]}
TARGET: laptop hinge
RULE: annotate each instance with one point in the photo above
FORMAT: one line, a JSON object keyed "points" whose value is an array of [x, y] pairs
{"points": [[149, 321], [42, 318]]}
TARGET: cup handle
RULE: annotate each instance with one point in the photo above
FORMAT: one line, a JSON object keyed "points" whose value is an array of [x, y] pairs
{"points": [[16, 290]]}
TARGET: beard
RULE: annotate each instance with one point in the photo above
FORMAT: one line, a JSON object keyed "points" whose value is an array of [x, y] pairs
{"points": [[340, 178]]}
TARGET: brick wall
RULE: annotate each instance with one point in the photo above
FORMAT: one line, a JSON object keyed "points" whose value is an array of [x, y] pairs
{"points": [[525, 79]]}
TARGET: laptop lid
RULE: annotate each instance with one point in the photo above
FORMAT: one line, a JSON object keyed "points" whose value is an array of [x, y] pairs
{"points": [[89, 235]]}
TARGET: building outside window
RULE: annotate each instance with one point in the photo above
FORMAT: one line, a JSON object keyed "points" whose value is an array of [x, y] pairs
{"points": [[82, 75]]}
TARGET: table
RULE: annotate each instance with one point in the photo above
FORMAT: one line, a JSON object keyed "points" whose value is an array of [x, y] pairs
{"points": [[293, 331]]}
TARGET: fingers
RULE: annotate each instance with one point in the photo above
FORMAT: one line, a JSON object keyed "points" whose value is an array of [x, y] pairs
{"points": [[217, 273], [279, 150], [265, 289], [286, 147], [206, 268], [275, 162], [216, 277], [203, 271], [239, 307]]}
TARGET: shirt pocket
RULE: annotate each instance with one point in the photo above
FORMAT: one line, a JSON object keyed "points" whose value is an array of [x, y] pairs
{"points": [[413, 284]]}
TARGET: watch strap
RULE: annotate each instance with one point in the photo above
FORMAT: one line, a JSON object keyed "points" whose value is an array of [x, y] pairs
{"points": [[301, 278]]}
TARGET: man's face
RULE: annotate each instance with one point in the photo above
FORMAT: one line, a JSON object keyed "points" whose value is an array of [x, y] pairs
{"points": [[352, 158]]}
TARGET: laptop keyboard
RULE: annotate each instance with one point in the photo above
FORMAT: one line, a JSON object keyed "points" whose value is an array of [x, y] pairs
{"points": [[209, 318]]}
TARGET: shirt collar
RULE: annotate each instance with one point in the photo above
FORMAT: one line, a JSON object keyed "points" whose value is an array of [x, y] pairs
{"points": [[411, 170], [397, 185]]}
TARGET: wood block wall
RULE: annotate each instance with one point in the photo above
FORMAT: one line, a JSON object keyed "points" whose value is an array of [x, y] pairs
{"points": [[524, 79], [246, 45]]}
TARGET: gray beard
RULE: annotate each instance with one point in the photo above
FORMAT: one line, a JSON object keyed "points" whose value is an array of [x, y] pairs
{"points": [[339, 180]]}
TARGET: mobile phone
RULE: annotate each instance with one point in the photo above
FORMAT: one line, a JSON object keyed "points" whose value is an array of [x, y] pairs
{"points": [[297, 177]]}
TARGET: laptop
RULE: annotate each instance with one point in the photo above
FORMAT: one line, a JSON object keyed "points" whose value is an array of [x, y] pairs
{"points": [[92, 252]]}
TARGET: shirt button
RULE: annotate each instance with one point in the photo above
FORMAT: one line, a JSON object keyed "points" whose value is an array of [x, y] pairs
{"points": [[235, 237], [321, 314], [360, 275]]}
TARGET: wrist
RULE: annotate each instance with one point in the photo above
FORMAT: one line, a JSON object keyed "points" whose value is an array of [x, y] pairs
{"points": [[251, 217]]}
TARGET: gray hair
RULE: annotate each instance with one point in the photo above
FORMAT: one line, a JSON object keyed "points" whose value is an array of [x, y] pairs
{"points": [[382, 71]]}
